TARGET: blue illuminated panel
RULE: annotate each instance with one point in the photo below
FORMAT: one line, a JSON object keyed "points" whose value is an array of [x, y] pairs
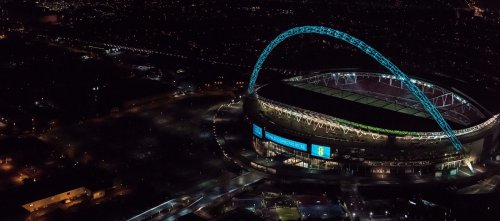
{"points": [[320, 151], [286, 142], [453, 172], [257, 131]]}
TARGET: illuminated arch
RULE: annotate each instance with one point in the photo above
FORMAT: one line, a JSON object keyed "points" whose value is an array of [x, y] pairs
{"points": [[368, 50]]}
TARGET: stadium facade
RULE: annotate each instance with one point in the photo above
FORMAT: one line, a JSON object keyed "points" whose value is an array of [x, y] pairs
{"points": [[366, 123]]}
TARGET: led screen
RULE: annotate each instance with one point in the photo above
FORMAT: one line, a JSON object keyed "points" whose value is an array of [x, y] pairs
{"points": [[257, 131], [320, 151], [286, 142]]}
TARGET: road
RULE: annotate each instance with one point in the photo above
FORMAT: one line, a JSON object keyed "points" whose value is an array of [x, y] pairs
{"points": [[174, 208], [482, 187], [195, 202]]}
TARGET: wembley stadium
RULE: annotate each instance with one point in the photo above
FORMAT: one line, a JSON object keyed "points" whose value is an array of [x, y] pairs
{"points": [[366, 123]]}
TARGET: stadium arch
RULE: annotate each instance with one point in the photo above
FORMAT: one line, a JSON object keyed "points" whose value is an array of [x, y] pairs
{"points": [[429, 107]]}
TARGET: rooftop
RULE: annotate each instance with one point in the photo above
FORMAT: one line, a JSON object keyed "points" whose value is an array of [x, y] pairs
{"points": [[352, 107]]}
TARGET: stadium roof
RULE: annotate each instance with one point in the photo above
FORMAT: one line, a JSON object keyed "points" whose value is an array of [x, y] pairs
{"points": [[351, 106], [361, 98]]}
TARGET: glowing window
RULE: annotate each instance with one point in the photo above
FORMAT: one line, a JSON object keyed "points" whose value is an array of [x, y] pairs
{"points": [[257, 131]]}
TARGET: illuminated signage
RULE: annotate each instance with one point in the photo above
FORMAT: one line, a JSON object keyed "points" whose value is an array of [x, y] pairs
{"points": [[257, 131], [320, 151], [286, 142]]}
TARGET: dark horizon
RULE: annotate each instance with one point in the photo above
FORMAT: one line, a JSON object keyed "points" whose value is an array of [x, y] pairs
{"points": [[140, 110]]}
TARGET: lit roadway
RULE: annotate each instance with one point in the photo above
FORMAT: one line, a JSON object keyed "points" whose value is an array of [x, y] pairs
{"points": [[485, 186], [174, 208], [195, 202]]}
